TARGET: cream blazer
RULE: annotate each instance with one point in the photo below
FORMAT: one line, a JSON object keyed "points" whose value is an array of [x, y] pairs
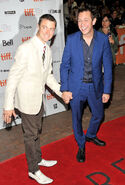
{"points": [[27, 79]]}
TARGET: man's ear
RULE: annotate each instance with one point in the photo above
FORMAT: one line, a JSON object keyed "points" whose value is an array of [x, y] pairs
{"points": [[94, 21], [37, 26]]}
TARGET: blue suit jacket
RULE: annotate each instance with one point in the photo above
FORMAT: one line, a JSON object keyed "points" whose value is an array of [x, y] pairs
{"points": [[72, 66]]}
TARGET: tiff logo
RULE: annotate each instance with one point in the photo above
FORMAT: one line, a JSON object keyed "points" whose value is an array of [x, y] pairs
{"points": [[29, 12], [25, 39], [122, 42], [5, 56], [3, 83], [7, 43], [49, 96]]}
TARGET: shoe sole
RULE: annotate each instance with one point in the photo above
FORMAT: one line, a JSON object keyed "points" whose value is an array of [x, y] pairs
{"points": [[95, 142], [34, 178], [46, 165]]}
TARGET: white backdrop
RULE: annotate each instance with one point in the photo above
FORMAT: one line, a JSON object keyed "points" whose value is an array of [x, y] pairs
{"points": [[18, 23]]}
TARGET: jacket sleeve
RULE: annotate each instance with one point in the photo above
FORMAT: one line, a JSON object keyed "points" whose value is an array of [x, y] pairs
{"points": [[107, 63], [65, 66]]}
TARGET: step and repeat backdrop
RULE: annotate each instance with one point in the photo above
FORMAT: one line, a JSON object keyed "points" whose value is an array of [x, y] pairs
{"points": [[18, 23], [120, 57]]}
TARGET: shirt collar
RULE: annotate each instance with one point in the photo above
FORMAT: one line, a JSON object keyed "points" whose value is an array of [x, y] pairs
{"points": [[40, 43], [94, 36]]}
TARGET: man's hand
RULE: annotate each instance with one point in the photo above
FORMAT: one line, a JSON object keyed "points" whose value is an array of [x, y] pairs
{"points": [[66, 96], [7, 115], [105, 98]]}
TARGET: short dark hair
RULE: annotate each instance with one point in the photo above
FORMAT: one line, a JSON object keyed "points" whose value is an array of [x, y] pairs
{"points": [[86, 9], [48, 17]]}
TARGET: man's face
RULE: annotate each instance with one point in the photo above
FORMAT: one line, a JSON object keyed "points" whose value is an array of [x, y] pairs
{"points": [[85, 22], [46, 30]]}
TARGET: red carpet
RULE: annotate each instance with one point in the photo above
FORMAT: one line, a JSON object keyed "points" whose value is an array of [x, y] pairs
{"points": [[103, 165]]}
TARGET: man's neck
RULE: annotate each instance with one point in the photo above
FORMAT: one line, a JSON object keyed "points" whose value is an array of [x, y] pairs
{"points": [[88, 38], [40, 38]]}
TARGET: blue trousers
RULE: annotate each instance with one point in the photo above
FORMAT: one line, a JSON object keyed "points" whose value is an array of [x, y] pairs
{"points": [[87, 93]]}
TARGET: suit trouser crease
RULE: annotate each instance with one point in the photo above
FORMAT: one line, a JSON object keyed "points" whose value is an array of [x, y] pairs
{"points": [[86, 93], [32, 127]]}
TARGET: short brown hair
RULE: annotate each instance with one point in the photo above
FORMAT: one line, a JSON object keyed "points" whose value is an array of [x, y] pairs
{"points": [[85, 10], [48, 17]]}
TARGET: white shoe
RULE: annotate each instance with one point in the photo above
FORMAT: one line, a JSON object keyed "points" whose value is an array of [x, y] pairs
{"points": [[47, 163], [40, 177]]}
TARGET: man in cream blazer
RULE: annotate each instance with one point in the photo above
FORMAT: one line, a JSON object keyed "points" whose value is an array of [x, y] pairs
{"points": [[24, 91]]}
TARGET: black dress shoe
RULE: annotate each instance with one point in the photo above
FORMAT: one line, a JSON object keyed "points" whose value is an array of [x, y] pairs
{"points": [[96, 141], [81, 155]]}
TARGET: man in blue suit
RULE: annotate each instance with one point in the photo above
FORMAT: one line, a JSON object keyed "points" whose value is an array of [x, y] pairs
{"points": [[82, 78]]}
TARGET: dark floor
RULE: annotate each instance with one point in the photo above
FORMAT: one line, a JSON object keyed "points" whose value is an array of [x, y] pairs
{"points": [[60, 125]]}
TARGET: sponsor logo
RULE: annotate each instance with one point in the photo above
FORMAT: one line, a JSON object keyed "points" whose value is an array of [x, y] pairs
{"points": [[5, 28], [25, 39], [122, 44], [55, 106], [10, 12], [3, 83], [4, 70], [7, 43], [38, 11], [49, 96], [33, 11], [55, 62], [29, 12], [21, 26], [52, 11], [6, 56]]}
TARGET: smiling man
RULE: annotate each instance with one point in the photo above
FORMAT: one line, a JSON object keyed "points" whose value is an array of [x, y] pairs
{"points": [[82, 78], [30, 72]]}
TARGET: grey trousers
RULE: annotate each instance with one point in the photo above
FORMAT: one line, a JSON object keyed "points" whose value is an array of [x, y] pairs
{"points": [[32, 128]]}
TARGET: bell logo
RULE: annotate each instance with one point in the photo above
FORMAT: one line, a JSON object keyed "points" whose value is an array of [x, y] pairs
{"points": [[5, 56], [25, 39], [29, 12], [3, 83], [7, 43]]}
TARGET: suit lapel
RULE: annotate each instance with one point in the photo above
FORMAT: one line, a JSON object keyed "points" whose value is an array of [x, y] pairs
{"points": [[95, 49], [80, 48], [46, 58], [38, 54]]}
